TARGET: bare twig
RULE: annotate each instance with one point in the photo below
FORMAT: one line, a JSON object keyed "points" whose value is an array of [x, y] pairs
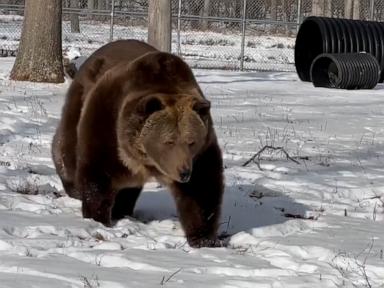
{"points": [[164, 281], [350, 269], [375, 197], [256, 157], [90, 283], [86, 282], [227, 223], [362, 265], [374, 212]]}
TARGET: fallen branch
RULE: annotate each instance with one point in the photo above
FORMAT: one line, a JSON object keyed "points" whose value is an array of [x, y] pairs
{"points": [[298, 216], [378, 197], [256, 158]]}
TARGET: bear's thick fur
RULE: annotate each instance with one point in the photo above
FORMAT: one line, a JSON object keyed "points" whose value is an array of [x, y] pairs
{"points": [[133, 113]]}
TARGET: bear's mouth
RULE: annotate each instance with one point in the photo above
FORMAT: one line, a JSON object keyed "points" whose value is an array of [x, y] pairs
{"points": [[185, 176]]}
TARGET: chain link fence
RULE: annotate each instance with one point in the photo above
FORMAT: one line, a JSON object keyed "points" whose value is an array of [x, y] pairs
{"points": [[222, 34]]}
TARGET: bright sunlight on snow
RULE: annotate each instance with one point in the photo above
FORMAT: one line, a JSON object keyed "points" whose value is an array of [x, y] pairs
{"points": [[313, 219]]}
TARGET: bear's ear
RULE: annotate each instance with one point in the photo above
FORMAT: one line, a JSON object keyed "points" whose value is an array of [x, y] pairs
{"points": [[202, 107], [150, 105]]}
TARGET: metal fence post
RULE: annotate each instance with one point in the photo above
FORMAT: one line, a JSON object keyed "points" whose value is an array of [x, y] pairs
{"points": [[298, 15], [371, 9], [178, 29], [112, 20], [243, 35]]}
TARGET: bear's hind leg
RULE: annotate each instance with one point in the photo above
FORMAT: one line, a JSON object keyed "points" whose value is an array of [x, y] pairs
{"points": [[125, 201]]}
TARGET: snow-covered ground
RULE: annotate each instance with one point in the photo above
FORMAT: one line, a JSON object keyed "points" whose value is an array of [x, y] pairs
{"points": [[319, 223], [200, 49]]}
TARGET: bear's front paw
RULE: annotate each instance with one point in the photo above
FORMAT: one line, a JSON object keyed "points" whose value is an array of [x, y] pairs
{"points": [[99, 213], [204, 242]]}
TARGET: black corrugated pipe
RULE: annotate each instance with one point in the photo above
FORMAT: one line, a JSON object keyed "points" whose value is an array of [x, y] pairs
{"points": [[319, 35], [345, 71]]}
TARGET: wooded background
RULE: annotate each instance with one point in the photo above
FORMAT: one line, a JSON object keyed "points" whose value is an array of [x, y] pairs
{"points": [[274, 10]]}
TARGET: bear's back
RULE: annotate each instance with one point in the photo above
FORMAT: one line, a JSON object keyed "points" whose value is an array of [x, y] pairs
{"points": [[109, 56]]}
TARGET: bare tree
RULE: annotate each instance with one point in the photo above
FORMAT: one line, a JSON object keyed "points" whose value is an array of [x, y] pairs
{"points": [[91, 4], [289, 13], [273, 10], [101, 4], [274, 15], [91, 7], [356, 9], [194, 9], [159, 24], [318, 7], [75, 23], [235, 11], [39, 57], [348, 4], [205, 14], [328, 8]]}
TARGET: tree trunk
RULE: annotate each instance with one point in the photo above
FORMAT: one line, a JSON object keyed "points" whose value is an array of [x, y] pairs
{"points": [[235, 11], [273, 10], [205, 23], [159, 24], [91, 4], [101, 4], [286, 14], [91, 7], [317, 7], [356, 9], [348, 4], [238, 11], [39, 57], [273, 15], [328, 8], [194, 10], [75, 23]]}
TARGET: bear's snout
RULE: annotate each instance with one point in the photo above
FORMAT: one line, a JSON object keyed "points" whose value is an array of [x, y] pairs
{"points": [[185, 175]]}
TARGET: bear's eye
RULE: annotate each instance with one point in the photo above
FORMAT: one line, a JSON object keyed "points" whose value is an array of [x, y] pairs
{"points": [[152, 105], [202, 108], [169, 142], [191, 143]]}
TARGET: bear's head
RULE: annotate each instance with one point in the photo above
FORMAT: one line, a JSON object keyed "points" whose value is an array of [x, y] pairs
{"points": [[166, 132], [164, 121]]}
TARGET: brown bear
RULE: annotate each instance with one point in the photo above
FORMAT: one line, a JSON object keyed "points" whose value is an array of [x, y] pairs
{"points": [[133, 113]]}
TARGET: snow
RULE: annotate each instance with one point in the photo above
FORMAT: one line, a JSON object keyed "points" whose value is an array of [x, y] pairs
{"points": [[10, 18], [319, 223]]}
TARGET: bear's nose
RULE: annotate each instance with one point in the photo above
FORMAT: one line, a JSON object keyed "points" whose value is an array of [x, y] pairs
{"points": [[185, 175]]}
